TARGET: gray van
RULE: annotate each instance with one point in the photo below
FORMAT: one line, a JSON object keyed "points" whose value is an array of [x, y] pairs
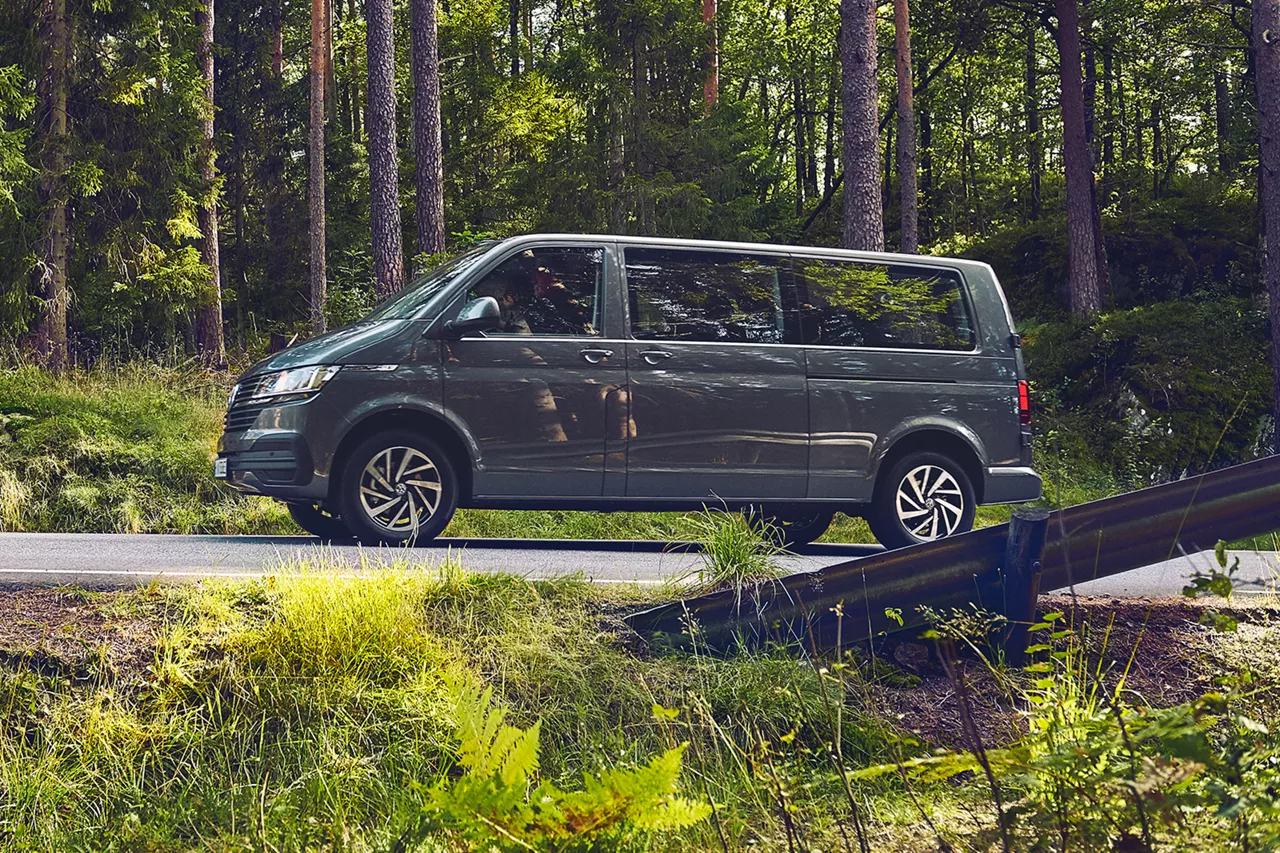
{"points": [[606, 373]]}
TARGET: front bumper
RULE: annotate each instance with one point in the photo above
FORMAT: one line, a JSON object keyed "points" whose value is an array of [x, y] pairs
{"points": [[282, 450], [1010, 485]]}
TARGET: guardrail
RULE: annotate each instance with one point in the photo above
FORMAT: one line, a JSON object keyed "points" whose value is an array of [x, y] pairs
{"points": [[1084, 542]]}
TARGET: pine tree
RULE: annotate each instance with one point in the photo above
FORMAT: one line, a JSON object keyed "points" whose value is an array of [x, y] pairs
{"points": [[910, 240], [384, 181], [317, 272], [429, 166], [208, 330], [1266, 26], [55, 48], [1082, 250], [863, 214]]}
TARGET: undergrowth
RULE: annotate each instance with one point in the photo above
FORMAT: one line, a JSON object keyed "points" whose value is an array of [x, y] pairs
{"points": [[405, 708]]}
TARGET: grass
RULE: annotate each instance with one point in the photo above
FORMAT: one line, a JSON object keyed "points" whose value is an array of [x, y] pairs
{"points": [[309, 711]]}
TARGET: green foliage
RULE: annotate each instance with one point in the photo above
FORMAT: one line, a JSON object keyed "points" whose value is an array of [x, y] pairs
{"points": [[1157, 391], [493, 804], [736, 549], [123, 450], [1099, 769]]}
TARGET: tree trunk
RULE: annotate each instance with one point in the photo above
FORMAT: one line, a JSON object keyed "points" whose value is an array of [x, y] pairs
{"points": [[330, 81], [1222, 121], [1157, 148], [863, 214], [1090, 84], [317, 270], [711, 81], [1082, 254], [51, 89], [907, 181], [514, 26], [1031, 102], [429, 164], [829, 152], [1108, 112], [925, 154], [1266, 26], [797, 109], [357, 106], [384, 181], [1122, 117], [209, 340]]}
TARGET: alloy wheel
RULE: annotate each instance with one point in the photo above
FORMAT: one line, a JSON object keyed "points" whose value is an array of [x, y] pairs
{"points": [[929, 502], [400, 489]]}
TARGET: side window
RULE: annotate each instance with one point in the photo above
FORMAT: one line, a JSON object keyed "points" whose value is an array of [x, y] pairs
{"points": [[860, 304], [689, 295], [547, 291]]}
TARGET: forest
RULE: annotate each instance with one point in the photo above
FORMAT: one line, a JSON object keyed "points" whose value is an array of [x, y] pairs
{"points": [[185, 179]]}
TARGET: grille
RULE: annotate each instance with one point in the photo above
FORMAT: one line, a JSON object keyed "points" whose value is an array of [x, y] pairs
{"points": [[240, 418]]}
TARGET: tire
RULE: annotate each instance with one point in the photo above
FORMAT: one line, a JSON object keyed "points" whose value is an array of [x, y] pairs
{"points": [[898, 502], [793, 525], [320, 523], [387, 488]]}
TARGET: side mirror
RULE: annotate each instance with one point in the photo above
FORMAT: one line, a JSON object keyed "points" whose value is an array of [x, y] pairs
{"points": [[478, 315]]}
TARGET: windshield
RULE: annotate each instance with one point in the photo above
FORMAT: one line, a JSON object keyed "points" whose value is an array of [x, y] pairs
{"points": [[406, 302]]}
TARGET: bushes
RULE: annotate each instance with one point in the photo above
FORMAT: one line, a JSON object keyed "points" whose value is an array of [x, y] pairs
{"points": [[126, 450], [1154, 392]]}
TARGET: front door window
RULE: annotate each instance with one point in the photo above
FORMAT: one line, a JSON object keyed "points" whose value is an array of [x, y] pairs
{"points": [[547, 291]]}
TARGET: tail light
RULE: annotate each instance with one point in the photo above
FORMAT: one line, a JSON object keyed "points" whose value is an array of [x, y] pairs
{"points": [[1024, 402]]}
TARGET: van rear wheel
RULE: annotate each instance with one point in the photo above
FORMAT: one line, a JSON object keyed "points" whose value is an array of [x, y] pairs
{"points": [[398, 488], [320, 522], [923, 497], [794, 525]]}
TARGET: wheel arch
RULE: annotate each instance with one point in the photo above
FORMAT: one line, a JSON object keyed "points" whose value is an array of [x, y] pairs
{"points": [[934, 439], [429, 424]]}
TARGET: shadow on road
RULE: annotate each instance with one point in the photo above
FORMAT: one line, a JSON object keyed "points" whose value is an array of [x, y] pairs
{"points": [[619, 546]]}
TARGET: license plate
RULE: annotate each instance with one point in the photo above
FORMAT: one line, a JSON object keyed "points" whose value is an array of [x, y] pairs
{"points": [[220, 468]]}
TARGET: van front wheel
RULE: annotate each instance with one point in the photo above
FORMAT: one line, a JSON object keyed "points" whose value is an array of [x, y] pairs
{"points": [[398, 488], [319, 522], [923, 497]]}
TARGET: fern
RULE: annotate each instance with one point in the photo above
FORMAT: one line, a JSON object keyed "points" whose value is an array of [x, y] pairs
{"points": [[493, 804]]}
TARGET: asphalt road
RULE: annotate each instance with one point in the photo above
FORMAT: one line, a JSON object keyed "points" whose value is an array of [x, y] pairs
{"points": [[113, 561]]}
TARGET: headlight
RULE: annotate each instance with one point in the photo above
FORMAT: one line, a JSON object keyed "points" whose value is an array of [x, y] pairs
{"points": [[299, 381]]}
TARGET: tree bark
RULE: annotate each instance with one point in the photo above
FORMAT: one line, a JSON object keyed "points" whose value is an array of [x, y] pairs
{"points": [[1031, 102], [1082, 253], [1222, 120], [317, 268], [514, 26], [51, 89], [711, 82], [384, 181], [208, 330], [863, 213], [1108, 111], [907, 180], [429, 163], [1266, 42]]}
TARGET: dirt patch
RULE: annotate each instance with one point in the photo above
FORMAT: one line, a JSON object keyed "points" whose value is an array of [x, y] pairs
{"points": [[1159, 646], [72, 634]]}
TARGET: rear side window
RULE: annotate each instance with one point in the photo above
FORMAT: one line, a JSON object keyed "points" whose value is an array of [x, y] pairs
{"points": [[689, 295], [547, 291], [860, 304]]}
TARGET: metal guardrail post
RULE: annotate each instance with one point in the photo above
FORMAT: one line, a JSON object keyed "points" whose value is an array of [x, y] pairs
{"points": [[1020, 574]]}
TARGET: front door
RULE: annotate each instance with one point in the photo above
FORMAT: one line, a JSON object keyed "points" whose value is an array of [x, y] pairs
{"points": [[718, 405], [536, 394]]}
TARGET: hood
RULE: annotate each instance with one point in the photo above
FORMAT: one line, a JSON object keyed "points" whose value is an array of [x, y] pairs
{"points": [[359, 343]]}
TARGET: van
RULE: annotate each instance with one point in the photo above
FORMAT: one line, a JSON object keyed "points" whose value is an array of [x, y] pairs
{"points": [[607, 373]]}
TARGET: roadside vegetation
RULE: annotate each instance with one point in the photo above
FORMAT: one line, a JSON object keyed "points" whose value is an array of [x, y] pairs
{"points": [[415, 707]]}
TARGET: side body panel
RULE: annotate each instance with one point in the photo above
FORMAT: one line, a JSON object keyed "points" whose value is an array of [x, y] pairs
{"points": [[717, 421]]}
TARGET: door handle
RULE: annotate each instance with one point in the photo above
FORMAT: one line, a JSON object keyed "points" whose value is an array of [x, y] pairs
{"points": [[655, 356], [595, 356]]}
